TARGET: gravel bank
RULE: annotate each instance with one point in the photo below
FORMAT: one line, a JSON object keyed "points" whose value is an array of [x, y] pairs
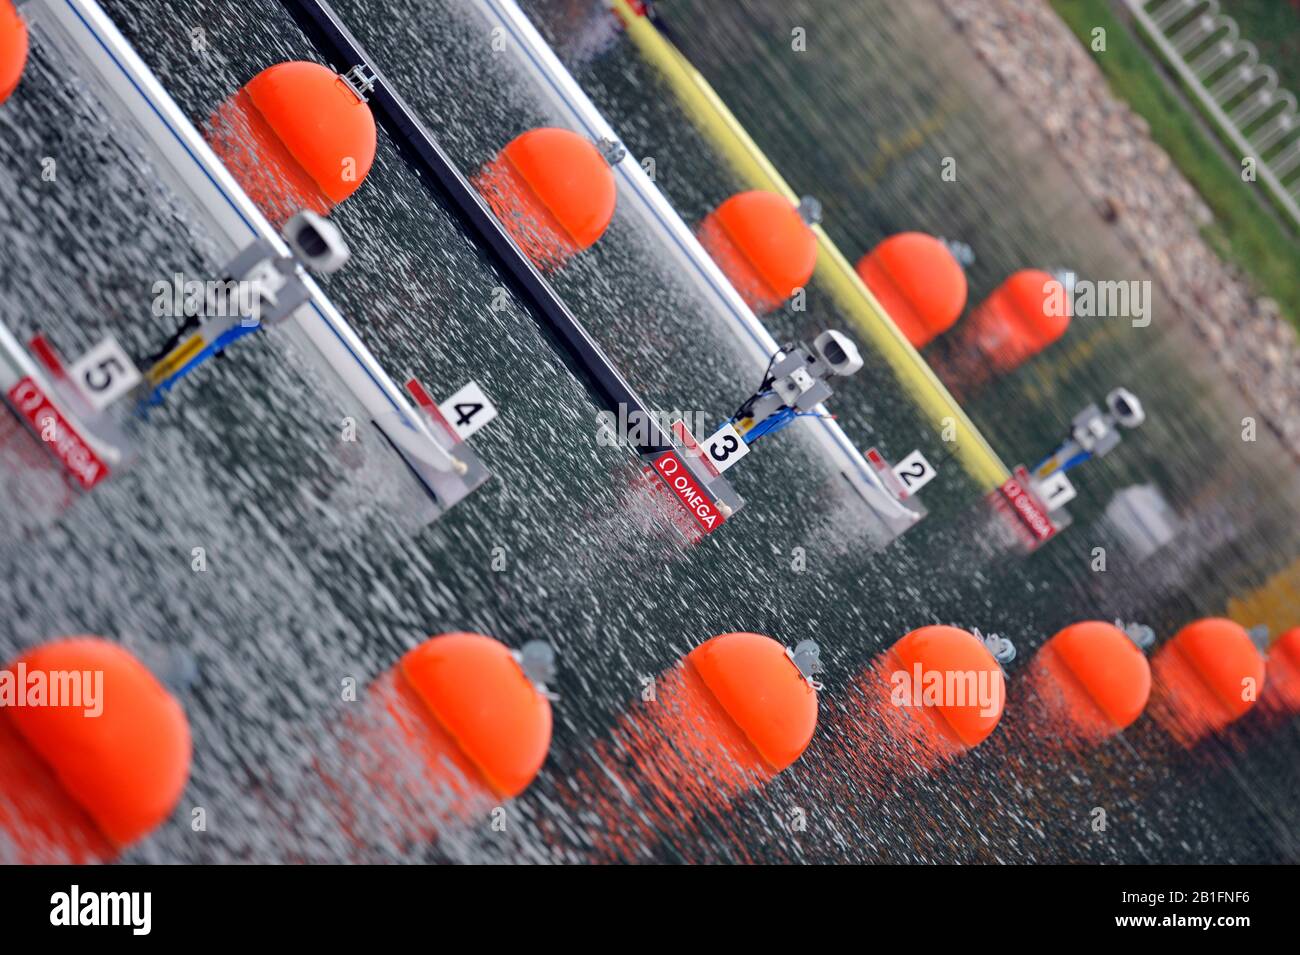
{"points": [[1108, 149]]}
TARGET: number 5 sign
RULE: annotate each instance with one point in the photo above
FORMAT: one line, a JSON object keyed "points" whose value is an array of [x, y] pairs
{"points": [[104, 373]]}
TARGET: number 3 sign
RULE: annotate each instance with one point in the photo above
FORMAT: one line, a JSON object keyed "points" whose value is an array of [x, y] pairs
{"points": [[725, 447]]}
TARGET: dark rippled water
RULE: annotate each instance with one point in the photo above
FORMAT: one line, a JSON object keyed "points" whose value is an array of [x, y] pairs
{"points": [[311, 582]]}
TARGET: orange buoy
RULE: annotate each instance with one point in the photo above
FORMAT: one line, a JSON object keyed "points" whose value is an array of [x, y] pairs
{"points": [[105, 749], [764, 245], [481, 697], [296, 136], [1099, 675], [1210, 674], [321, 120], [13, 48], [1023, 315], [949, 677], [457, 725], [923, 702], [1288, 645], [764, 692], [918, 281], [554, 192], [723, 723]]}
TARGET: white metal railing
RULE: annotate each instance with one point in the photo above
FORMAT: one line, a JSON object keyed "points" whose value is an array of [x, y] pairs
{"points": [[1205, 48]]}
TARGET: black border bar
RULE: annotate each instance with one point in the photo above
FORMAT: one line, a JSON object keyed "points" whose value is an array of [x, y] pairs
{"points": [[973, 906]]}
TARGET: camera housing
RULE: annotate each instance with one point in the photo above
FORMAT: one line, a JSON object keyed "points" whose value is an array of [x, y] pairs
{"points": [[316, 242], [838, 353], [1125, 407]]}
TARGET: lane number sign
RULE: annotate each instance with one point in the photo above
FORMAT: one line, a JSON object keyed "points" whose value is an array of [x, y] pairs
{"points": [[724, 447], [468, 410], [1055, 490], [914, 472], [104, 373]]}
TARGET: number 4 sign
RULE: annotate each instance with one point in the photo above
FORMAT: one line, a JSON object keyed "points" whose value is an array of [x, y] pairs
{"points": [[468, 410], [914, 471], [104, 373]]}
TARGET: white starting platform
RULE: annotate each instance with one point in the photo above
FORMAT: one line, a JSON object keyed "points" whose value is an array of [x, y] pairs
{"points": [[66, 409]]}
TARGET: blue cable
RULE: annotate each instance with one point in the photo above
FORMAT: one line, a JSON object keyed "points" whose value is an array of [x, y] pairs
{"points": [[770, 425], [1077, 459], [776, 422], [1072, 462], [222, 341]]}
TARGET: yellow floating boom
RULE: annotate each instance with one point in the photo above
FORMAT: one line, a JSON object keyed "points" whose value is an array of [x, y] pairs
{"points": [[1276, 604], [916, 377]]}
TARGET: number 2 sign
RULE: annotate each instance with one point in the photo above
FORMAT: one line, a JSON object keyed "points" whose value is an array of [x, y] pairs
{"points": [[915, 472]]}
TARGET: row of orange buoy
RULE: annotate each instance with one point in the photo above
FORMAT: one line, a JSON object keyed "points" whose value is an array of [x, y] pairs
{"points": [[1210, 675], [300, 136], [554, 192], [922, 287], [81, 786]]}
